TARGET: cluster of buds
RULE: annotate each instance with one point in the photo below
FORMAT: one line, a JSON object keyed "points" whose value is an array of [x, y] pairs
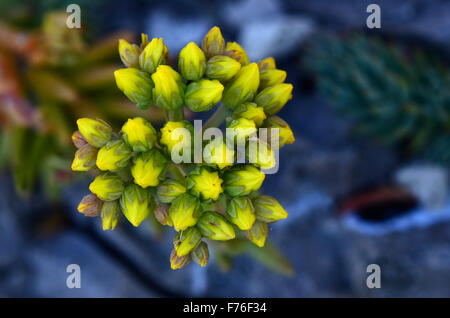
{"points": [[215, 199]]}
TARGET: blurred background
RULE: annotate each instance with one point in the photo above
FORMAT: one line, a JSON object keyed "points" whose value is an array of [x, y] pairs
{"points": [[366, 182]]}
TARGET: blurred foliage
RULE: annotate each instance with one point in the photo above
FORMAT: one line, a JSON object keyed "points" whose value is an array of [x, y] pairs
{"points": [[400, 97], [49, 77]]}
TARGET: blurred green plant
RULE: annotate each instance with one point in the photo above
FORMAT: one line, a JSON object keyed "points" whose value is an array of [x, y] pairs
{"points": [[397, 96]]}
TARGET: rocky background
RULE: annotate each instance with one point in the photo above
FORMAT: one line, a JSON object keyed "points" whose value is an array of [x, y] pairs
{"points": [[329, 252]]}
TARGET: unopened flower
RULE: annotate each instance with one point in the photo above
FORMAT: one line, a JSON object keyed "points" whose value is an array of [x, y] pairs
{"points": [[222, 68], [267, 64], [203, 95], [259, 153], [240, 211], [136, 85], [110, 214], [139, 134], [113, 156], [200, 254], [205, 183], [268, 210], [85, 158], [78, 139], [90, 205], [242, 179], [162, 214], [241, 128], [250, 111], [258, 233], [177, 262], [168, 190], [271, 77], [214, 226], [184, 211], [169, 87], [96, 132], [192, 62], [285, 134], [213, 43], [136, 204], [107, 186], [273, 98], [170, 136], [148, 168], [185, 241], [129, 53], [154, 54], [243, 87], [235, 51], [217, 154]]}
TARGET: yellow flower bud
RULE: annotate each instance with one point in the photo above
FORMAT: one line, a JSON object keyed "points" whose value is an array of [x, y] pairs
{"points": [[218, 154], [258, 233], [268, 210], [136, 204], [139, 134], [271, 77], [203, 95], [168, 190], [84, 158], [192, 62], [113, 156], [184, 211], [241, 128], [148, 168], [222, 68], [162, 215], [185, 241], [242, 179], [200, 254], [213, 43], [144, 41], [235, 51], [273, 98], [267, 64], [136, 85], [154, 54], [90, 205], [170, 138], [214, 226], [205, 183], [177, 262], [243, 87], [78, 139], [240, 211], [107, 186], [169, 88], [129, 53], [285, 134], [110, 215], [259, 153], [96, 132], [250, 111]]}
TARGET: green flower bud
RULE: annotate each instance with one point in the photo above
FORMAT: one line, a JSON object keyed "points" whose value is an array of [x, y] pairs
{"points": [[107, 186], [162, 215], [267, 64], [258, 233], [242, 179], [169, 88], [214, 226], [177, 262], [78, 139], [242, 128], [285, 134], [110, 215], [184, 211], [84, 158], [168, 190], [136, 204], [273, 98], [200, 254], [136, 85], [203, 95], [90, 205], [114, 155], [169, 138], [271, 77], [240, 211], [235, 51], [243, 87], [148, 168], [129, 53], [268, 210], [218, 154], [250, 111], [154, 54], [185, 241], [222, 68], [192, 62], [139, 134], [205, 183], [213, 43], [96, 132], [259, 153]]}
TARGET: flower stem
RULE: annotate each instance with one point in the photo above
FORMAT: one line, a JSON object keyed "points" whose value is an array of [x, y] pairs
{"points": [[175, 115], [218, 117]]}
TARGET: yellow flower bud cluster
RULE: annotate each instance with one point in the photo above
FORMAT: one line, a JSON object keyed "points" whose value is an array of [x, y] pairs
{"points": [[136, 170]]}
